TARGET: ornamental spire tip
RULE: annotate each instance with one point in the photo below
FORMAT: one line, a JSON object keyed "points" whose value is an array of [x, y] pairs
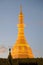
{"points": [[20, 8]]}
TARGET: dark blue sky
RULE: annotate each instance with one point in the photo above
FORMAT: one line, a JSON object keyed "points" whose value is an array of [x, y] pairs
{"points": [[33, 19]]}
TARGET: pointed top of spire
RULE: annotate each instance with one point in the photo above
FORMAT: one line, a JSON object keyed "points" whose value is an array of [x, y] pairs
{"points": [[20, 8]]}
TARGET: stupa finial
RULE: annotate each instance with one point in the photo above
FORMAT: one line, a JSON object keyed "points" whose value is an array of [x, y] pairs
{"points": [[20, 8]]}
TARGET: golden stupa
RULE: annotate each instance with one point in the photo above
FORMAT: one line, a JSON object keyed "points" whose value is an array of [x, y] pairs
{"points": [[21, 48]]}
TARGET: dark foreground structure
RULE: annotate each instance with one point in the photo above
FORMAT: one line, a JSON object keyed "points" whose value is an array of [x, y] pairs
{"points": [[27, 61]]}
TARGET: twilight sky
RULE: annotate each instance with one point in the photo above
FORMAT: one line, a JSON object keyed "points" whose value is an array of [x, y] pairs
{"points": [[33, 18]]}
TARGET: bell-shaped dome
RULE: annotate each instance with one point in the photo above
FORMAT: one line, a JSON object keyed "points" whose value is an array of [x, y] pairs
{"points": [[21, 50]]}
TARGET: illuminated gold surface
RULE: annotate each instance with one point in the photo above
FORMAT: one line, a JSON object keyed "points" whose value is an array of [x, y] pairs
{"points": [[21, 49]]}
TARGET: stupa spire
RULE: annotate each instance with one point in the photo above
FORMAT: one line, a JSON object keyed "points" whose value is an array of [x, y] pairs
{"points": [[21, 20], [20, 8], [21, 24]]}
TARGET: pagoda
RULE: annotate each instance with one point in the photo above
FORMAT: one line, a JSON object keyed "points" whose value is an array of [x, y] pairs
{"points": [[21, 49]]}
